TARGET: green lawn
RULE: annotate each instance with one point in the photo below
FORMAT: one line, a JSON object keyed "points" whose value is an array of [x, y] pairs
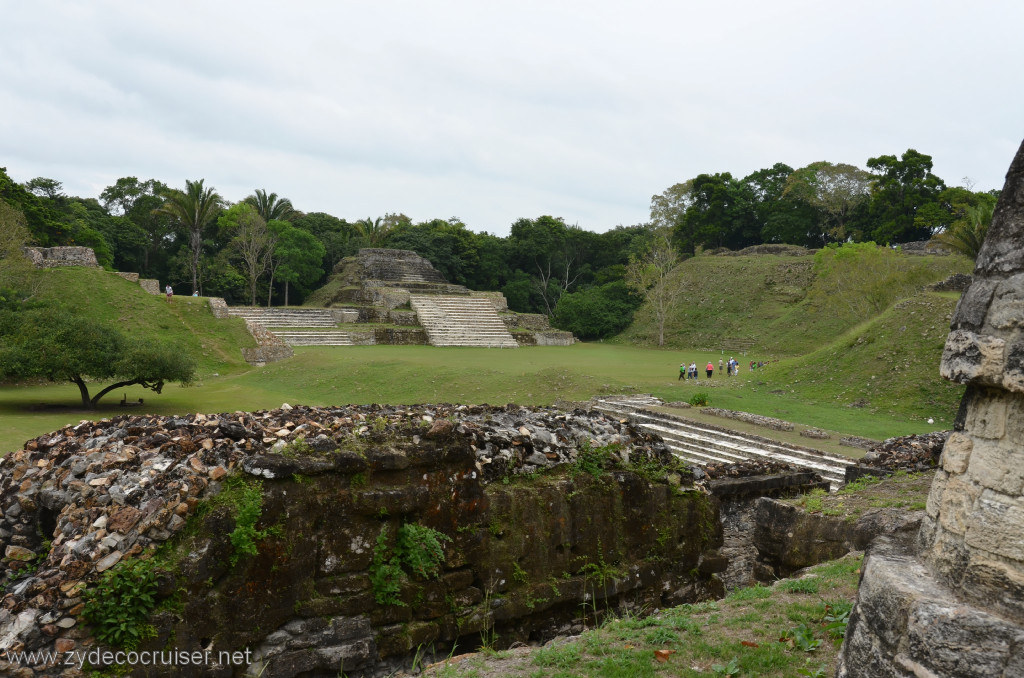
{"points": [[422, 374]]}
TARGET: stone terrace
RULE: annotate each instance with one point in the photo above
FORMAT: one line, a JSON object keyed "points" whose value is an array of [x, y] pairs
{"points": [[702, 444]]}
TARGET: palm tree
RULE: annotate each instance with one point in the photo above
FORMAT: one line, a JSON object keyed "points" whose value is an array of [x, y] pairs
{"points": [[373, 230], [966, 235], [193, 208], [271, 207]]}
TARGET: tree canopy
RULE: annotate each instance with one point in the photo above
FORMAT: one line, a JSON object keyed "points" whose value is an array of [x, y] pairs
{"points": [[175, 234], [59, 345]]}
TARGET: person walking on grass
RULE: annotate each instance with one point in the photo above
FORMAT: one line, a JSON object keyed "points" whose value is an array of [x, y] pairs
{"points": [[170, 293], [710, 369], [682, 371]]}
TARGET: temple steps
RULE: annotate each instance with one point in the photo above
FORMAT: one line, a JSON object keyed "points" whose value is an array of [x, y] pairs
{"points": [[461, 321], [285, 317]]}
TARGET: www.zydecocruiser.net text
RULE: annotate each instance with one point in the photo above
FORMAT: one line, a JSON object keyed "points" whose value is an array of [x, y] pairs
{"points": [[98, 657]]}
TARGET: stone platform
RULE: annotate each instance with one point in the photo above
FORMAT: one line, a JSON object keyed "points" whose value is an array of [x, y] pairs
{"points": [[384, 296]]}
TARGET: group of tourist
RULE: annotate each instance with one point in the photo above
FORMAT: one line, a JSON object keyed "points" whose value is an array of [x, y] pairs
{"points": [[732, 368], [688, 372]]}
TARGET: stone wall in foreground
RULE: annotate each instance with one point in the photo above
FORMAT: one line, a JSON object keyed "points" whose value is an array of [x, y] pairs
{"points": [[956, 607], [534, 540]]}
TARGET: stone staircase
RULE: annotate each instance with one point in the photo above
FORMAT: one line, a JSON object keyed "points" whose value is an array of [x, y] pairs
{"points": [[313, 337], [699, 444], [296, 326], [461, 321], [285, 317]]}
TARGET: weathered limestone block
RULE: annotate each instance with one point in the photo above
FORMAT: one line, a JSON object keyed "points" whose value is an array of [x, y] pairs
{"points": [[553, 338], [996, 525], [972, 308], [997, 466], [150, 285], [935, 494], [345, 315], [219, 307], [970, 357], [956, 503], [957, 453], [986, 417], [906, 623], [788, 539], [1007, 308], [130, 277], [50, 257], [497, 298]]}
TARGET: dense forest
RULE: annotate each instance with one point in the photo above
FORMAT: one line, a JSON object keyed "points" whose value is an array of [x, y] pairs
{"points": [[263, 250]]}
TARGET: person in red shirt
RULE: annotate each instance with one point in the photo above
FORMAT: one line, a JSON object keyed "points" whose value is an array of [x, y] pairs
{"points": [[710, 369]]}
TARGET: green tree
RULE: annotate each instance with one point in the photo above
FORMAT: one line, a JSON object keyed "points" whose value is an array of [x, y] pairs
{"points": [[15, 267], [967, 234], [669, 206], [551, 252], [835, 189], [251, 239], [900, 188], [596, 312], [721, 214], [300, 255], [142, 239], [193, 208], [62, 346], [448, 244], [272, 208], [45, 188], [374, 231], [338, 237]]}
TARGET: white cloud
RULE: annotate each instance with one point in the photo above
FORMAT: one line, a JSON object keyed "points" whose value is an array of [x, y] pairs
{"points": [[493, 111]]}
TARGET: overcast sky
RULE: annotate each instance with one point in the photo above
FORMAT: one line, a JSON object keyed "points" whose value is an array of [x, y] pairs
{"points": [[492, 110]]}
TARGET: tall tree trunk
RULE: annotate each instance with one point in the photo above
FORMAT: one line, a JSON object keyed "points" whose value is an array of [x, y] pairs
{"points": [[84, 391], [285, 292], [197, 245]]}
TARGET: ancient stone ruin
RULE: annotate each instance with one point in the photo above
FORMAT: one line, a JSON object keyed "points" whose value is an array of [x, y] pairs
{"points": [[51, 257], [955, 605], [385, 296], [541, 513]]}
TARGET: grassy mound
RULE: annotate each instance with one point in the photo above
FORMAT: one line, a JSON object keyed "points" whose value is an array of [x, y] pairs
{"points": [[186, 322], [889, 364], [776, 305]]}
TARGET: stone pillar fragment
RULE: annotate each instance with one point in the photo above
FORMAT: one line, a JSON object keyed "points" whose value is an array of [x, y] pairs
{"points": [[956, 607]]}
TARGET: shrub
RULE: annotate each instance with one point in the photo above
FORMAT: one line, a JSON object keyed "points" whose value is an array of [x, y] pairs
{"points": [[700, 399], [120, 603], [248, 505], [420, 549], [417, 547]]}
